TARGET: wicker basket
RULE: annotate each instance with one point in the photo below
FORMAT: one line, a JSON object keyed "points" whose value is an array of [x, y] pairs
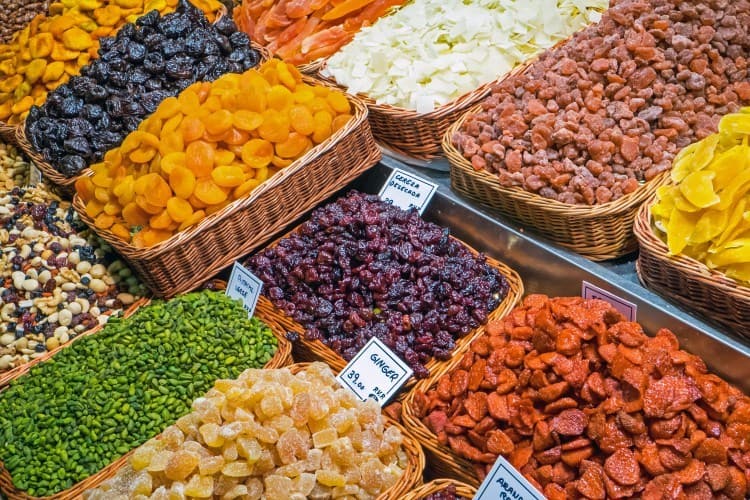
{"points": [[264, 311], [443, 461], [599, 232], [315, 350], [415, 467], [436, 485], [8, 133], [190, 256], [66, 185], [688, 281]]}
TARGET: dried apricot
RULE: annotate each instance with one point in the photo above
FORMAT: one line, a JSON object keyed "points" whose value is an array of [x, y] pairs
{"points": [[192, 220], [218, 122], [171, 142], [120, 231], [228, 176], [134, 215], [178, 209], [161, 220], [157, 191], [275, 126], [182, 180], [209, 192], [301, 119], [192, 129], [294, 146], [104, 221], [244, 119], [340, 121], [323, 121], [172, 160], [189, 102], [199, 157], [338, 102], [234, 137], [246, 187], [257, 153], [280, 98]]}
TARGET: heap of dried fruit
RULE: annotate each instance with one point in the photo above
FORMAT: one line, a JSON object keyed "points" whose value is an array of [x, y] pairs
{"points": [[303, 31], [50, 50], [269, 434], [57, 279], [431, 52], [14, 167], [361, 267], [447, 493], [145, 63], [704, 215], [611, 108], [586, 405], [213, 144]]}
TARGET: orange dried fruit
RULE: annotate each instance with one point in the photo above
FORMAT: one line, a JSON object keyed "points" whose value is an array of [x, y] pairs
{"points": [[172, 124], [280, 98], [303, 93], [195, 202], [189, 102], [215, 208], [101, 179], [301, 119], [171, 142], [125, 190], [178, 209], [142, 155], [182, 181], [104, 221], [112, 208], [244, 119], [257, 153], [218, 122], [192, 129], [161, 220], [338, 102], [281, 162], [158, 191], [168, 108], [207, 191], [85, 188], [246, 187], [192, 220], [319, 104], [223, 157], [134, 215], [170, 161], [275, 126], [94, 208], [147, 207], [199, 157], [294, 146], [120, 231], [340, 121], [151, 237], [235, 137], [101, 194], [323, 121], [228, 176]]}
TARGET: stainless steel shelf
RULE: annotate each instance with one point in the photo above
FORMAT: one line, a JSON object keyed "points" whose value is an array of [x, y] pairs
{"points": [[547, 268]]}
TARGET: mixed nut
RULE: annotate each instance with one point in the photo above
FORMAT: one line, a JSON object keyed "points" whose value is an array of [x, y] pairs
{"points": [[14, 168], [55, 281]]}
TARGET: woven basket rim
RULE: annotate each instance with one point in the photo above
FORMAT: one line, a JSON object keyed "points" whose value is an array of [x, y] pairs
{"points": [[180, 238], [436, 485], [435, 366], [695, 269], [549, 205], [281, 358]]}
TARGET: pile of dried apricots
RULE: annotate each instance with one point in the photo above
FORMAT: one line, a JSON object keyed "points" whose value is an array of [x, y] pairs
{"points": [[201, 150]]}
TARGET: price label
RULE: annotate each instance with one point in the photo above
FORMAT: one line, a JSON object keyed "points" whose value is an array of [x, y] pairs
{"points": [[245, 286], [506, 483], [35, 175], [407, 191], [375, 372], [625, 307]]}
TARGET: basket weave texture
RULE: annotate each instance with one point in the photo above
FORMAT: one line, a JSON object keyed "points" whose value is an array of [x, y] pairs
{"points": [[8, 133], [688, 281], [462, 489], [416, 459], [263, 311], [315, 350], [65, 186], [599, 232], [191, 256]]}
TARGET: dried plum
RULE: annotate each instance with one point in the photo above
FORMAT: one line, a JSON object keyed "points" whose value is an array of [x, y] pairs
{"points": [[146, 62]]}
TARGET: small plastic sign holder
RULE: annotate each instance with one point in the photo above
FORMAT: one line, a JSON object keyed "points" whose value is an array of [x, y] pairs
{"points": [[245, 286], [406, 190], [505, 483], [625, 307], [375, 372]]}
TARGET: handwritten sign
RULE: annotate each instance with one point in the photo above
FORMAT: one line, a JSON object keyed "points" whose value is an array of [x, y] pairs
{"points": [[407, 191], [625, 307], [245, 286], [375, 372], [35, 175], [506, 483]]}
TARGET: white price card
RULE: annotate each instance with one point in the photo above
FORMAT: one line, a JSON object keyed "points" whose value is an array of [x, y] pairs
{"points": [[625, 307], [375, 372], [407, 191], [506, 483], [245, 286], [35, 175]]}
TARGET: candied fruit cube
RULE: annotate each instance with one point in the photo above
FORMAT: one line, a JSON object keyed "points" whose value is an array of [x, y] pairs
{"points": [[237, 469], [330, 478], [324, 438], [211, 434], [210, 465], [200, 486], [277, 487], [180, 465]]}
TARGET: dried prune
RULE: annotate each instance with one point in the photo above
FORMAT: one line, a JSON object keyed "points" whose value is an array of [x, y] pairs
{"points": [[136, 52], [77, 145]]}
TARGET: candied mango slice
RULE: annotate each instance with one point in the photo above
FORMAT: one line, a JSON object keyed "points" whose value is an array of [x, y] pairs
{"points": [[694, 157], [698, 189], [199, 158], [735, 124], [178, 209], [679, 229], [207, 191], [711, 224], [257, 153], [244, 119], [228, 176]]}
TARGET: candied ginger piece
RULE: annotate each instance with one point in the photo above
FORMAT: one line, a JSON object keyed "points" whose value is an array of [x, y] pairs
{"points": [[330, 478], [159, 461], [200, 486], [324, 438], [277, 487], [249, 448], [210, 465], [180, 465], [237, 469], [304, 483], [292, 445], [211, 434]]}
